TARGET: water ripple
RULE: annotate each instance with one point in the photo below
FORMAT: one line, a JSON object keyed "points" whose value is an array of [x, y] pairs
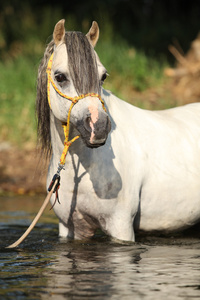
{"points": [[46, 267]]}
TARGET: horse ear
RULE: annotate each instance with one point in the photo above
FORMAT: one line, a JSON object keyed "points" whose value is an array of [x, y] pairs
{"points": [[59, 32], [93, 34]]}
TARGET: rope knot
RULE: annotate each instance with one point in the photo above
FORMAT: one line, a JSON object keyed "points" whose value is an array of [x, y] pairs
{"points": [[67, 143], [75, 100]]}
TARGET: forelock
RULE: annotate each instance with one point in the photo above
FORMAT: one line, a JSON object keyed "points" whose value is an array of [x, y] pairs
{"points": [[82, 63]]}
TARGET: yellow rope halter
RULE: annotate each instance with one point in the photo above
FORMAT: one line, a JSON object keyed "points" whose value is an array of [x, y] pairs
{"points": [[74, 100]]}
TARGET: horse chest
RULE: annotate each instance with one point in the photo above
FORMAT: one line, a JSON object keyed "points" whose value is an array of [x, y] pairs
{"points": [[83, 225]]}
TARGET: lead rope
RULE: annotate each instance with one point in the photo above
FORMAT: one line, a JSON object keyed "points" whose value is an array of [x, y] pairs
{"points": [[35, 220], [55, 183]]}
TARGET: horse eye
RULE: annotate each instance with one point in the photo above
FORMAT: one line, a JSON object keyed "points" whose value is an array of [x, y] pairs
{"points": [[104, 76], [60, 77]]}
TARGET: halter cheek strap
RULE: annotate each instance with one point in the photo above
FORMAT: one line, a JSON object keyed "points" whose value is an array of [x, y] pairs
{"points": [[74, 100]]}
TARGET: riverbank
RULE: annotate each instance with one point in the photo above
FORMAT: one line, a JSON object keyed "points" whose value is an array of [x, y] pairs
{"points": [[22, 171]]}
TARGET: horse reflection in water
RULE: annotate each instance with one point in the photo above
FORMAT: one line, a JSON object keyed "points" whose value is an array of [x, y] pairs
{"points": [[131, 169], [103, 271]]}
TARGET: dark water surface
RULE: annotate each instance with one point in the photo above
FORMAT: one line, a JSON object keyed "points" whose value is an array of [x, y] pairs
{"points": [[46, 267]]}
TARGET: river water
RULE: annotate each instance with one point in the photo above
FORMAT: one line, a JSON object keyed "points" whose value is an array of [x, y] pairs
{"points": [[46, 267]]}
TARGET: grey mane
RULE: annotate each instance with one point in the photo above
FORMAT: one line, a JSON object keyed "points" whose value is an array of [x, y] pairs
{"points": [[83, 71]]}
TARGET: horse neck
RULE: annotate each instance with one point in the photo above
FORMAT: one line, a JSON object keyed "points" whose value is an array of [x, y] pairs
{"points": [[120, 110]]}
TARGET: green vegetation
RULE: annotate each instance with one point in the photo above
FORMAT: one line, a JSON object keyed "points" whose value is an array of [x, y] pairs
{"points": [[129, 67], [17, 97]]}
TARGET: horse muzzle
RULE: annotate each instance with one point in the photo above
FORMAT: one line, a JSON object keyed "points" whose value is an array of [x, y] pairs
{"points": [[94, 131]]}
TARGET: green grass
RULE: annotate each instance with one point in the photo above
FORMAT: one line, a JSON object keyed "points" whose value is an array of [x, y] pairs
{"points": [[135, 68], [17, 97], [129, 71]]}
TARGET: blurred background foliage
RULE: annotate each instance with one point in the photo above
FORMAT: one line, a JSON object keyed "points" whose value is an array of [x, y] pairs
{"points": [[149, 25], [133, 45]]}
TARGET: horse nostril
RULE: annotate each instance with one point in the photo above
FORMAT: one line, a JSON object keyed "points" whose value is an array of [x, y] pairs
{"points": [[87, 124]]}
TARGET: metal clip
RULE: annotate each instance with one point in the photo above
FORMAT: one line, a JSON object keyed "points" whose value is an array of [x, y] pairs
{"points": [[60, 168]]}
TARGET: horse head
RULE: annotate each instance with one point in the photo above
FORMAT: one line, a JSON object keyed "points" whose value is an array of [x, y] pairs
{"points": [[76, 75]]}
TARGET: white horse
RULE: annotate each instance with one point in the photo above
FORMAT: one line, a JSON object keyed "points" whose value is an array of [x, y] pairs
{"points": [[146, 176]]}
